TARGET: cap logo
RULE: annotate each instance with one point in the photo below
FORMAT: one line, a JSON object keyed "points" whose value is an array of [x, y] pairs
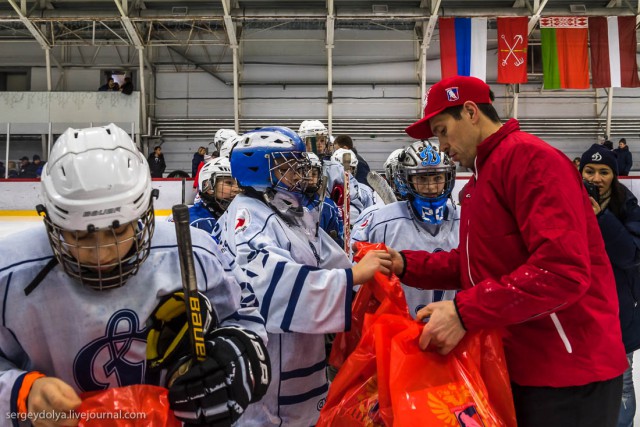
{"points": [[429, 156], [596, 157], [452, 93]]}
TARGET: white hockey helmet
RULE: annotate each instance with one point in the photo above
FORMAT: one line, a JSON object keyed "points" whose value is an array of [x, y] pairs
{"points": [[221, 136], [311, 128], [340, 152], [214, 169], [227, 146], [391, 164], [96, 179]]}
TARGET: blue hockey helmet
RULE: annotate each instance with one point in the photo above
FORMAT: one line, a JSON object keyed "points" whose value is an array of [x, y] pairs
{"points": [[270, 158], [426, 177]]}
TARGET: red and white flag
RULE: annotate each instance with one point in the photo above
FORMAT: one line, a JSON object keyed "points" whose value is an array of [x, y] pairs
{"points": [[613, 51], [512, 50]]}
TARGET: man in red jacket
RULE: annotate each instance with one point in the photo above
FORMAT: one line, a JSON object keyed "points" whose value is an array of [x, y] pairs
{"points": [[531, 261]]}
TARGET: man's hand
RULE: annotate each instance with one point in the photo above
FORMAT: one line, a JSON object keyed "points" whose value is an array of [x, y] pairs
{"points": [[372, 262], [444, 330], [397, 262], [52, 395]]}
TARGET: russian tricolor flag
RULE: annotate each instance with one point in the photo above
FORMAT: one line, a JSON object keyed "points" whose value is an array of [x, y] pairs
{"points": [[463, 47]]}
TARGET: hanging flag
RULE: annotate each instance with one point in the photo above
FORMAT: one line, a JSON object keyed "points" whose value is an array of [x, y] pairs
{"points": [[512, 49], [463, 47], [613, 51], [565, 57]]}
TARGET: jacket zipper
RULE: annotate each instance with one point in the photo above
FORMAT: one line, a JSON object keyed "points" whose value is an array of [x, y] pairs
{"points": [[560, 329]]}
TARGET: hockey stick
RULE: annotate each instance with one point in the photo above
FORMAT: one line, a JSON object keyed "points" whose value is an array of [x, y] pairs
{"points": [[381, 187], [192, 301], [322, 193], [346, 203]]}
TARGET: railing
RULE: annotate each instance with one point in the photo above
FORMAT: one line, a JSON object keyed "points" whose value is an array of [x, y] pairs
{"points": [[204, 129]]}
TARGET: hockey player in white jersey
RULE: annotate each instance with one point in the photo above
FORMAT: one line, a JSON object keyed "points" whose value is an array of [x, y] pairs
{"points": [[426, 220], [77, 294], [362, 196], [216, 189], [390, 166], [303, 280]]}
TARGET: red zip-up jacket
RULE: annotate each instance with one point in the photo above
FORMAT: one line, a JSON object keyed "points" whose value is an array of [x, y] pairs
{"points": [[531, 260]]}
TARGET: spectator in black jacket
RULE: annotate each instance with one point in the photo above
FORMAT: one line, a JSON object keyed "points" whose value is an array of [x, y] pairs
{"points": [[198, 158], [127, 86], [619, 220], [27, 169], [345, 141], [625, 159], [156, 162]]}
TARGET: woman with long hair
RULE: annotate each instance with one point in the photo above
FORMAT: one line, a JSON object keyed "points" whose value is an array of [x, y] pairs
{"points": [[618, 215]]}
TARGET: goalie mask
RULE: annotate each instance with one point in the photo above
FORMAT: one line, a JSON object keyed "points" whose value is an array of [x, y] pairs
{"points": [[216, 187], [316, 138], [98, 208], [426, 178]]}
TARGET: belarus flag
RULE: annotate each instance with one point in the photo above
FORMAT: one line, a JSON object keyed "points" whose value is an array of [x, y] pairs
{"points": [[565, 56], [463, 47], [613, 51]]}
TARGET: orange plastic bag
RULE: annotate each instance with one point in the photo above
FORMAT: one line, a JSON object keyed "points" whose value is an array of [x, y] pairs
{"points": [[131, 406], [368, 300], [388, 380], [468, 387]]}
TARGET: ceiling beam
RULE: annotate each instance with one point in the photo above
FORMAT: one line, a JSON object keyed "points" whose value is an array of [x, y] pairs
{"points": [[431, 24], [40, 38], [128, 26], [614, 3], [228, 23], [537, 11]]}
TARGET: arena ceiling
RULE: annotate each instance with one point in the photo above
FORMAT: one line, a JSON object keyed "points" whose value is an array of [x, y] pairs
{"points": [[145, 23]]}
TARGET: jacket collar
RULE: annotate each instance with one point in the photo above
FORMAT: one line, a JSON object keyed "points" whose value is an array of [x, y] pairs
{"points": [[486, 147]]}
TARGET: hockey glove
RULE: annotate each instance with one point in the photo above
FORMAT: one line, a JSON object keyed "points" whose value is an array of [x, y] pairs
{"points": [[167, 339], [216, 392], [337, 195]]}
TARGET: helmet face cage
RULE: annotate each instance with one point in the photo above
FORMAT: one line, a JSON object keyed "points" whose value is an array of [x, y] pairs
{"points": [[114, 273], [290, 171], [426, 178], [217, 188]]}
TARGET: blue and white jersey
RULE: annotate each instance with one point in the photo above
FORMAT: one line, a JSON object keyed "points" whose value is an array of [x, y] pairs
{"points": [[397, 226], [304, 287], [334, 172], [94, 340], [200, 217], [362, 197]]}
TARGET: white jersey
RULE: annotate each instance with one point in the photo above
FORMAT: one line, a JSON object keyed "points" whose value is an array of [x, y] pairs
{"points": [[334, 172], [304, 287], [397, 226], [362, 197], [94, 340]]}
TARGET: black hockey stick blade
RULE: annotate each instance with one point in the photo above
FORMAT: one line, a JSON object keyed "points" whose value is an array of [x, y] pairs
{"points": [[195, 317]]}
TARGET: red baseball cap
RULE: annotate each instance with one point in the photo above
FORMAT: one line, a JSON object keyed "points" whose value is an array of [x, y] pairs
{"points": [[447, 93]]}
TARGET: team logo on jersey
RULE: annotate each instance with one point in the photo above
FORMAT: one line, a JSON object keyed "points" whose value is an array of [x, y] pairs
{"points": [[430, 156], [452, 93], [117, 358], [596, 157], [243, 219], [364, 223]]}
